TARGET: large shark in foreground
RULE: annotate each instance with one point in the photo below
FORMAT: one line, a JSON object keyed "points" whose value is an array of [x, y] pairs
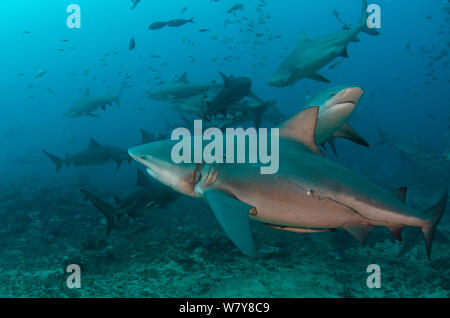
{"points": [[311, 55], [95, 155], [88, 104], [308, 194], [146, 196]]}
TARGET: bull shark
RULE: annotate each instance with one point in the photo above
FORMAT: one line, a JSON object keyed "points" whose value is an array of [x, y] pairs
{"points": [[233, 91], [179, 89], [308, 194], [88, 104], [146, 196], [311, 55], [95, 155], [336, 105]]}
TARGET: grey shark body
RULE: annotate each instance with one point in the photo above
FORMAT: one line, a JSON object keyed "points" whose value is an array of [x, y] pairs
{"points": [[180, 89], [95, 155], [308, 194], [88, 104], [146, 196], [311, 55]]}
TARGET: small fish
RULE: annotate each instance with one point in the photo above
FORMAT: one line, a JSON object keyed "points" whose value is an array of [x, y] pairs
{"points": [[179, 22], [39, 73], [157, 25], [184, 9], [132, 44]]}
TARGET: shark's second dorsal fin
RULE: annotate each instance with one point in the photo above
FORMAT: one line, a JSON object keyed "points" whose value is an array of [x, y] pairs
{"points": [[302, 128], [302, 38], [142, 180], [183, 78], [93, 144]]}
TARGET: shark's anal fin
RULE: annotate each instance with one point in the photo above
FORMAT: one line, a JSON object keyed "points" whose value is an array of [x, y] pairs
{"points": [[318, 77], [349, 133], [233, 216], [302, 128]]}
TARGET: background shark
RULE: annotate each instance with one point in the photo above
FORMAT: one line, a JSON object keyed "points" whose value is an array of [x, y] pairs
{"points": [[147, 195], [180, 89], [311, 55], [309, 194], [95, 155], [88, 104]]}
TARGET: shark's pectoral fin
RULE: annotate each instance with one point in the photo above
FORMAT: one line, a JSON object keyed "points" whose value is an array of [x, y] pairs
{"points": [[343, 52], [302, 128], [92, 115], [348, 132], [359, 233], [318, 77], [119, 163], [232, 215]]}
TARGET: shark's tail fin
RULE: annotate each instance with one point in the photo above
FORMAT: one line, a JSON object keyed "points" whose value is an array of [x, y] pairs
{"points": [[57, 161], [107, 210], [436, 212], [363, 20]]}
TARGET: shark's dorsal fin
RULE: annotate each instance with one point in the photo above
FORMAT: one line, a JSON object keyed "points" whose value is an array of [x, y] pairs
{"points": [[302, 38], [93, 144], [183, 78], [145, 135], [226, 79], [400, 193], [142, 180], [302, 128]]}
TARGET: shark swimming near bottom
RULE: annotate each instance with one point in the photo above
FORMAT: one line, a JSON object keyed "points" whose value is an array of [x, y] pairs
{"points": [[148, 195], [310, 193], [95, 155]]}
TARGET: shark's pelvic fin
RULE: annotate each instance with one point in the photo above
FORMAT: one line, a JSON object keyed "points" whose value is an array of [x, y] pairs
{"points": [[349, 133], [318, 77], [232, 215], [359, 233], [302, 128]]}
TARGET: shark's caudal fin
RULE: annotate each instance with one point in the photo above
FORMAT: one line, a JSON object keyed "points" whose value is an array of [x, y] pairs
{"points": [[436, 212], [57, 161], [363, 20], [107, 210]]}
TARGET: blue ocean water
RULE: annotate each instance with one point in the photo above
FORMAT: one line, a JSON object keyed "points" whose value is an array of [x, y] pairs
{"points": [[180, 250]]}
